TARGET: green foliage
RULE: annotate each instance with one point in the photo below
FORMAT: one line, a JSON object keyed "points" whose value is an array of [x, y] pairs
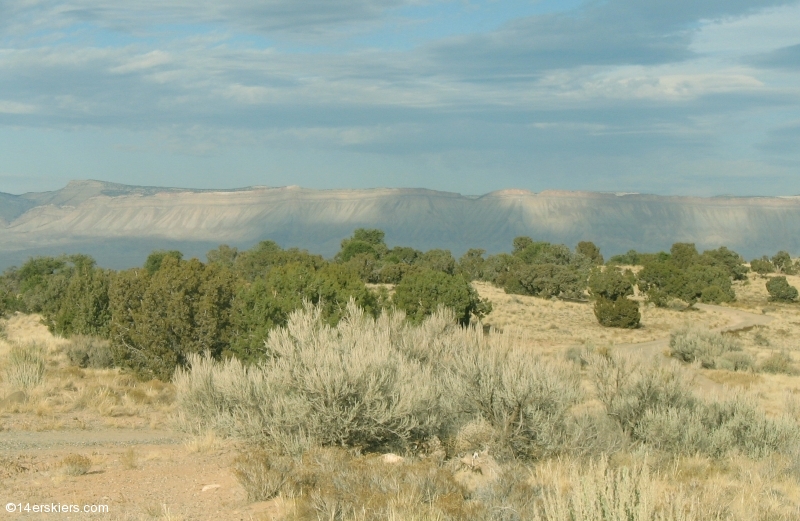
{"points": [[544, 280], [666, 279], [155, 259], [159, 319], [471, 264], [589, 250], [422, 291], [370, 236], [780, 290], [353, 248], [783, 263], [609, 283], [268, 301], [438, 260], [726, 259], [762, 266], [498, 268], [531, 252], [260, 259], [402, 254], [631, 258], [363, 242], [621, 312], [223, 255], [683, 254], [70, 292]]}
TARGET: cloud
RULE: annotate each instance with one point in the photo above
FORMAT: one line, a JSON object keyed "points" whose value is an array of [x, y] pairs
{"points": [[309, 18], [614, 32], [783, 58], [783, 140]]}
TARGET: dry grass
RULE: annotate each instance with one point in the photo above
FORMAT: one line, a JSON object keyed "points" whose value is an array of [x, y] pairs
{"points": [[553, 326], [68, 396]]}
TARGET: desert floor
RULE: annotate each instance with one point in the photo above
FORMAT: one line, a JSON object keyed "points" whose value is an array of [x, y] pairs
{"points": [[142, 469]]}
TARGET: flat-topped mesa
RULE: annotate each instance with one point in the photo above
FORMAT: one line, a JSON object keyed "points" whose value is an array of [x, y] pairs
{"points": [[120, 224]]}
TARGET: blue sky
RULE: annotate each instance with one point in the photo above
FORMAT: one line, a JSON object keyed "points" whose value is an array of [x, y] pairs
{"points": [[685, 97]]}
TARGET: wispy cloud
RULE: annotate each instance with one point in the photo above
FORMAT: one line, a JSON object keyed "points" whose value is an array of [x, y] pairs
{"points": [[631, 83]]}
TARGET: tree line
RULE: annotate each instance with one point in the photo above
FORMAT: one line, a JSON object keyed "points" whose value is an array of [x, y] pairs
{"points": [[157, 315]]}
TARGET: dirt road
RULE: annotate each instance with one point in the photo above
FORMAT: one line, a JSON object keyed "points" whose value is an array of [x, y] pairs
{"points": [[738, 320]]}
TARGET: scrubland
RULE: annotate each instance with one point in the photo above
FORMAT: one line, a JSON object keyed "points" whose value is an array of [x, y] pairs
{"points": [[538, 413]]}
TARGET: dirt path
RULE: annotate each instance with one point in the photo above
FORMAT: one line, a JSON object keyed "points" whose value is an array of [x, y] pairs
{"points": [[15, 441], [738, 320]]}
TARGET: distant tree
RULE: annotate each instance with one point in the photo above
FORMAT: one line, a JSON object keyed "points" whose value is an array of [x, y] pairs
{"points": [[438, 260], [224, 255], [471, 264], [370, 236], [590, 251], [622, 313], [631, 258], [726, 259], [268, 301], [154, 260], [158, 320], [422, 291], [402, 254], [762, 266], [780, 290], [259, 260], [544, 280], [363, 241], [684, 254], [609, 284], [498, 268], [521, 243], [783, 263]]}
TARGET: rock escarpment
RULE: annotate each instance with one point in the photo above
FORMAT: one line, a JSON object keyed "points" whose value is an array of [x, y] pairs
{"points": [[120, 224]]}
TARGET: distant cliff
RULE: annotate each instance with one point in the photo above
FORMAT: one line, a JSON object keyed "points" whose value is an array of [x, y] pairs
{"points": [[120, 224]]}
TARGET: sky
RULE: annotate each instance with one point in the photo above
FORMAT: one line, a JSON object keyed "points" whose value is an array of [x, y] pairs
{"points": [[671, 97]]}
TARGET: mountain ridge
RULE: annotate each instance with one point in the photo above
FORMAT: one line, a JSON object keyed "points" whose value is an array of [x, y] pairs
{"points": [[119, 224]]}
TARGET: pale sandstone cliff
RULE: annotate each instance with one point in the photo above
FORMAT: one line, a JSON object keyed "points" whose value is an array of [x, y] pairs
{"points": [[119, 224]]}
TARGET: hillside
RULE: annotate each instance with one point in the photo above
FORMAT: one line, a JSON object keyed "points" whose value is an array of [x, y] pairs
{"points": [[120, 224]]}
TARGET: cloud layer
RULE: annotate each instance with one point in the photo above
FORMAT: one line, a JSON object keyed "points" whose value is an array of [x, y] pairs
{"points": [[644, 95]]}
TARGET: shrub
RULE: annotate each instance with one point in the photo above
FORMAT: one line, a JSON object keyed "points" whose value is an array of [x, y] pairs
{"points": [[709, 348], [26, 365], [778, 363], [780, 290], [653, 405], [598, 492], [382, 384], [86, 351], [622, 312], [346, 386], [525, 401], [609, 284], [762, 266], [76, 465], [263, 475], [589, 250], [421, 292]]}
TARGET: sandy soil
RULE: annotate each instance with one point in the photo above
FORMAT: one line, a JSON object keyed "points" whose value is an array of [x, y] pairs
{"points": [[143, 470]]}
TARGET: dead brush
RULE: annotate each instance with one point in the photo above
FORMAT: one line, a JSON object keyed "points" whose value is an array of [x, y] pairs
{"points": [[75, 465], [331, 483]]}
